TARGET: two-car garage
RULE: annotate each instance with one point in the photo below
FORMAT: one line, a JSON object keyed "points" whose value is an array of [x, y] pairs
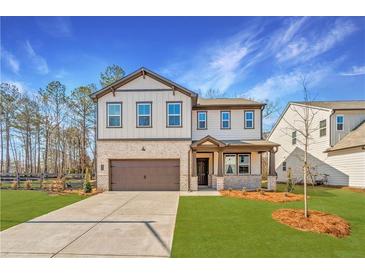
{"points": [[146, 174]]}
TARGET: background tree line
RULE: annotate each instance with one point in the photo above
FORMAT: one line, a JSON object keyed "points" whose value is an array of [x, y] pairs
{"points": [[51, 131]]}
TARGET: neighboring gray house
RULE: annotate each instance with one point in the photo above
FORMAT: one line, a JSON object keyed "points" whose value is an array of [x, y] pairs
{"points": [[337, 143], [153, 134]]}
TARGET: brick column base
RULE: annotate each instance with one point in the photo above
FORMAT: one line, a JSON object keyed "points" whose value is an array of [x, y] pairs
{"points": [[220, 183], [194, 183]]}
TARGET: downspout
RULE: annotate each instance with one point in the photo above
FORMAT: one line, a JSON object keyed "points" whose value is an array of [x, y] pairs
{"points": [[330, 127], [189, 166]]}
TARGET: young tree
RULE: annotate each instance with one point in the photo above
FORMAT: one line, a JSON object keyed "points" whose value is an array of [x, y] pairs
{"points": [[304, 126], [111, 74]]}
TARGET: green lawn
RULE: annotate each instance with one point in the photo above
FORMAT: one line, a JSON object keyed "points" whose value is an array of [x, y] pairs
{"points": [[18, 206], [231, 227]]}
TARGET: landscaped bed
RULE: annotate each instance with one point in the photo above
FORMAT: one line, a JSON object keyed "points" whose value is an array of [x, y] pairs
{"points": [[232, 227], [317, 221], [276, 197]]}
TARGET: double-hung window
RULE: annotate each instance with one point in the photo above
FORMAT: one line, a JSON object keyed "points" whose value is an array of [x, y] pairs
{"points": [[243, 164], [230, 164], [284, 166], [225, 120], [294, 137], [202, 120], [114, 114], [249, 119], [174, 114], [144, 114], [339, 122], [322, 128]]}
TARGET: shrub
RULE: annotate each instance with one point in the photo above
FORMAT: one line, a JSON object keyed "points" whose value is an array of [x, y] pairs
{"points": [[28, 185], [14, 185], [87, 187], [244, 190]]}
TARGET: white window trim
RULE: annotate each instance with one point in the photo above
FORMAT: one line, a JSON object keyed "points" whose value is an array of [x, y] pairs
{"points": [[224, 120], [205, 119], [230, 174], [252, 119], [343, 122], [176, 115], [144, 115], [320, 128], [249, 164], [120, 114]]}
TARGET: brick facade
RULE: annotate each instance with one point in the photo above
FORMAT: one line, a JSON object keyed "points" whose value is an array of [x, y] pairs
{"points": [[114, 149]]}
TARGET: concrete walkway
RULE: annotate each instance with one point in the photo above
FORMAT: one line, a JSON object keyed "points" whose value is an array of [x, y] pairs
{"points": [[111, 224]]}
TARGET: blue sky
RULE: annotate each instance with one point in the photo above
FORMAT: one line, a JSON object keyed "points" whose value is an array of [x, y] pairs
{"points": [[255, 57]]}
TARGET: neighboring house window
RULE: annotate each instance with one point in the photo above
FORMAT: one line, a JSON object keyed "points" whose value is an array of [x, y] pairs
{"points": [[284, 166], [225, 120], [230, 164], [174, 114], [144, 114], [202, 120], [322, 128], [114, 114], [339, 122], [294, 137], [249, 118], [243, 164]]}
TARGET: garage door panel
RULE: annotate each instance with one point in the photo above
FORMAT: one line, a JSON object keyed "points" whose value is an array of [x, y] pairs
{"points": [[154, 174]]}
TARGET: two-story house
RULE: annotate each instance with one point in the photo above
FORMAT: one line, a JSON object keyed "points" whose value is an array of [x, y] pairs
{"points": [[336, 142], [153, 134]]}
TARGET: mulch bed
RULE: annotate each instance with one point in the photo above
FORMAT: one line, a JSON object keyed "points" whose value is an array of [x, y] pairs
{"points": [[276, 197], [76, 191], [317, 221], [354, 189]]}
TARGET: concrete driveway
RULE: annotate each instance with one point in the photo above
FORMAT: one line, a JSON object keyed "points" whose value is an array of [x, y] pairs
{"points": [[111, 224]]}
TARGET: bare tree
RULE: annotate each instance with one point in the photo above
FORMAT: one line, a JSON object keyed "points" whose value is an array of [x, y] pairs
{"points": [[304, 126]]}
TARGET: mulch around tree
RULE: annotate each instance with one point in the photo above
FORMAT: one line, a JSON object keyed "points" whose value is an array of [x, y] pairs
{"points": [[317, 221], [276, 197], [354, 189]]}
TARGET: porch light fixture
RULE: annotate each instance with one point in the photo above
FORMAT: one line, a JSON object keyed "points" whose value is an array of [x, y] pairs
{"points": [[143, 148]]}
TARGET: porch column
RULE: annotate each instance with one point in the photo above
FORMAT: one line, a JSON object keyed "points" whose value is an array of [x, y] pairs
{"points": [[220, 163], [193, 173], [272, 171]]}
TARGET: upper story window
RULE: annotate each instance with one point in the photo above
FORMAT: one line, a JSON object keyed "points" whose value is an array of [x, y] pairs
{"points": [[284, 166], [202, 120], [174, 110], [322, 128], [294, 137], [339, 122], [114, 114], [144, 114], [225, 120], [249, 119]]}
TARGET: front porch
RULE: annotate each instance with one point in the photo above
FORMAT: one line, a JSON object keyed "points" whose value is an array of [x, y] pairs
{"points": [[235, 164]]}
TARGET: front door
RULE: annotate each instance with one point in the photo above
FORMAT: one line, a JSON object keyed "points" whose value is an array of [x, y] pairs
{"points": [[202, 170]]}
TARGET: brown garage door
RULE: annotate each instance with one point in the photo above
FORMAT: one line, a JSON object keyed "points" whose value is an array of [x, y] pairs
{"points": [[145, 174]]}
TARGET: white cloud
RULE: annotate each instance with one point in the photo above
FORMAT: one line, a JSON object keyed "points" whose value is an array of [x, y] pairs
{"points": [[279, 86], [11, 61], [39, 63], [55, 26], [302, 49], [354, 71]]}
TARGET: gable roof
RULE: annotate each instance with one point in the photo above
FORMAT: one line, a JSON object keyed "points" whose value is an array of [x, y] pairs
{"points": [[354, 138], [208, 138], [336, 105], [138, 73]]}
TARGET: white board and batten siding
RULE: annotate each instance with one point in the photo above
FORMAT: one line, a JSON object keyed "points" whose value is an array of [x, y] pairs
{"points": [[144, 90], [237, 130]]}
